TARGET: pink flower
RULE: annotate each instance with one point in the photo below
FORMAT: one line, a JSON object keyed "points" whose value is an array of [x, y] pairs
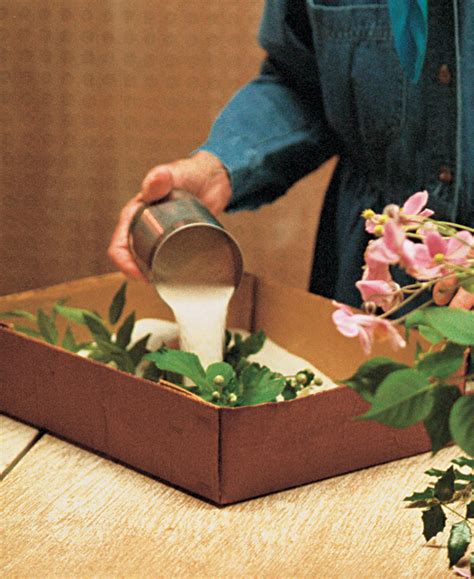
{"points": [[433, 257], [375, 269], [411, 214], [392, 248], [366, 327], [382, 293], [413, 211], [372, 220]]}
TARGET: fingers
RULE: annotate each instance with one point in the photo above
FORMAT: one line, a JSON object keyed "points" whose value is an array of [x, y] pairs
{"points": [[444, 290], [203, 175], [119, 250], [463, 300], [157, 183]]}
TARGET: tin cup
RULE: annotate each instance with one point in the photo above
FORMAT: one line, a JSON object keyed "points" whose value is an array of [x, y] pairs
{"points": [[178, 241]]}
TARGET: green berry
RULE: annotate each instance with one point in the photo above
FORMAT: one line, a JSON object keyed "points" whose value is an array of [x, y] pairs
{"points": [[301, 378], [232, 398], [216, 395], [318, 381], [219, 380]]}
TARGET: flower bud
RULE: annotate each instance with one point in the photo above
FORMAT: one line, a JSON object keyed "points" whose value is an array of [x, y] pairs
{"points": [[219, 380], [391, 211], [301, 378], [378, 230], [216, 395], [317, 381], [369, 308], [231, 398], [280, 398]]}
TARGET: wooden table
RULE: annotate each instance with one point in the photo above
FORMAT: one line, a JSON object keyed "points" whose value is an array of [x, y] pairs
{"points": [[71, 513]]}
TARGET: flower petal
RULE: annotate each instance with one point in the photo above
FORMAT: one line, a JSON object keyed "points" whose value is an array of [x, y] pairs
{"points": [[414, 204], [435, 243], [459, 246]]}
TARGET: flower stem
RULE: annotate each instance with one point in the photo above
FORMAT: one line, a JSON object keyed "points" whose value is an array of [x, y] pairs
{"points": [[458, 514], [455, 225], [405, 302]]}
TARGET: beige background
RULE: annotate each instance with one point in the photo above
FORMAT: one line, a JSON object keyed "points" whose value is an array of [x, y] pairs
{"points": [[93, 94]]}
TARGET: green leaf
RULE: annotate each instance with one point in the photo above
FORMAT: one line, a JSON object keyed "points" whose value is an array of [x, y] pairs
{"points": [[69, 341], [116, 354], [455, 324], [464, 476], [371, 374], [153, 373], [260, 385], [18, 314], [425, 495], [464, 461], [415, 319], [418, 352], [76, 315], [47, 327], [125, 331], [183, 363], [97, 328], [444, 363], [27, 331], [99, 356], [118, 303], [244, 348], [431, 335], [437, 423], [404, 398], [138, 350], [444, 487], [434, 521], [468, 284], [458, 542], [461, 423], [470, 510], [435, 472], [220, 369]]}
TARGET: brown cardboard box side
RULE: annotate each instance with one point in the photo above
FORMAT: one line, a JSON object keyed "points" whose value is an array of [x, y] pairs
{"points": [[276, 446], [224, 455]]}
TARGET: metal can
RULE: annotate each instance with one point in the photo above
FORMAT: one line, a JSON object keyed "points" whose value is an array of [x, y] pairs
{"points": [[177, 240]]}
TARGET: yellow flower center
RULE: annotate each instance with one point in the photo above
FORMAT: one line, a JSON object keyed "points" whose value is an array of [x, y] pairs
{"points": [[368, 213], [378, 230], [438, 258]]}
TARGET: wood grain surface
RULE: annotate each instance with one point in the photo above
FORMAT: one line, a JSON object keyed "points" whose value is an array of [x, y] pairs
{"points": [[15, 439], [70, 513]]}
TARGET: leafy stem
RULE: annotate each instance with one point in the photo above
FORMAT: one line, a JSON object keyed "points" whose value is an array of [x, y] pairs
{"points": [[463, 517]]}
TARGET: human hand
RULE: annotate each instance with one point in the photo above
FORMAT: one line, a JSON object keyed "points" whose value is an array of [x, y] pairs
{"points": [[447, 291], [203, 175]]}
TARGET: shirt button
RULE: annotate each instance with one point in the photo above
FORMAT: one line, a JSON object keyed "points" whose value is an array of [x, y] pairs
{"points": [[445, 174], [444, 75]]}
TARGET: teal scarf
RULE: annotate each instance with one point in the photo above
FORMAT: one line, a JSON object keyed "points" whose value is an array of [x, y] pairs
{"points": [[409, 20]]}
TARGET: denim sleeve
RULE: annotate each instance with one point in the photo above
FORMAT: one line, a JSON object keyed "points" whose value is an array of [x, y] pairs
{"points": [[273, 131]]}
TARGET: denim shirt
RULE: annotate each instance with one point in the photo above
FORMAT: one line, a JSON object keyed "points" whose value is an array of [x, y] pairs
{"points": [[332, 85]]}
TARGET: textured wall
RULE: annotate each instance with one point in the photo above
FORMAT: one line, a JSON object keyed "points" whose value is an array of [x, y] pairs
{"points": [[95, 93]]}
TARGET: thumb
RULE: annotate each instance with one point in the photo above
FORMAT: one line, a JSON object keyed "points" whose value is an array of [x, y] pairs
{"points": [[157, 183]]}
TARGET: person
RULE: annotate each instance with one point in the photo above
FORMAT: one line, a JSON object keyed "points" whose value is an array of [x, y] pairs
{"points": [[337, 80]]}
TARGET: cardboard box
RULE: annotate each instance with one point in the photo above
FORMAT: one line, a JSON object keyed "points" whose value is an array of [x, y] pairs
{"points": [[222, 454]]}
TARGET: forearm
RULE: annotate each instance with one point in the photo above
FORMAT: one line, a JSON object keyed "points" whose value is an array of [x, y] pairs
{"points": [[273, 132]]}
